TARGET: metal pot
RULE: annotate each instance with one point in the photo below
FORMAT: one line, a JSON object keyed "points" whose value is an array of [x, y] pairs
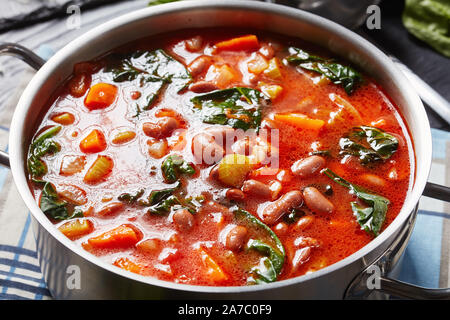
{"points": [[61, 259]]}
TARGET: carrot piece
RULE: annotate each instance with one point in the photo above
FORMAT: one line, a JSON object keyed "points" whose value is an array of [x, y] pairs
{"points": [[121, 237], [300, 121], [76, 228], [100, 96], [110, 209], [64, 118], [123, 137], [248, 42], [101, 167], [127, 264], [213, 270], [94, 142]]}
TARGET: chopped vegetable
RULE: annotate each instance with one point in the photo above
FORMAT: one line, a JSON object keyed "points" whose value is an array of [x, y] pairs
{"points": [[271, 265], [174, 166], [72, 193], [257, 65], [369, 144], [213, 270], [151, 70], [271, 90], [273, 71], [100, 96], [345, 76], [244, 43], [127, 264], [41, 146], [101, 167], [94, 142], [54, 207], [233, 169], [158, 149], [300, 121], [123, 137], [237, 107], [370, 218], [121, 237], [64, 119], [76, 228], [110, 209], [72, 164], [130, 198]]}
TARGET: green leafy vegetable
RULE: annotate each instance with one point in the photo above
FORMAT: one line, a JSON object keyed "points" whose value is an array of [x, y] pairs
{"points": [[152, 70], [339, 74], [429, 20], [271, 265], [55, 208], [369, 144], [131, 198], [41, 146], [237, 107], [165, 205], [174, 166], [370, 218]]}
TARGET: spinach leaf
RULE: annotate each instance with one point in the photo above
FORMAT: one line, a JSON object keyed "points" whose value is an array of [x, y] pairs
{"points": [[174, 166], [429, 20], [151, 70], [53, 207], [271, 265], [339, 74], [237, 107], [165, 205], [131, 198], [371, 218], [369, 144], [41, 146]]}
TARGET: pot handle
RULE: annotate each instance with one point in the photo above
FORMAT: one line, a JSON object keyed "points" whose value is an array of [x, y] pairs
{"points": [[26, 55], [367, 281]]}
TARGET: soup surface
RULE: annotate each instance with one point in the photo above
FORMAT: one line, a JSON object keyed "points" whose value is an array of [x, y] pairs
{"points": [[220, 158]]}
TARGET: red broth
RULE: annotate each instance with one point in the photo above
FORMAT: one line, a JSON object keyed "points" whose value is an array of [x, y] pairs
{"points": [[112, 146]]}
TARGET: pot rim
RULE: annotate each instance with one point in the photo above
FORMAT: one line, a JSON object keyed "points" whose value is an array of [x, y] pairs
{"points": [[413, 101]]}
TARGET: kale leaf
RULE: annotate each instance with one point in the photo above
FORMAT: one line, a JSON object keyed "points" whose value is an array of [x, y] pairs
{"points": [[174, 166], [271, 264], [41, 146], [151, 70], [370, 218], [339, 74], [55, 208], [369, 144], [238, 107]]}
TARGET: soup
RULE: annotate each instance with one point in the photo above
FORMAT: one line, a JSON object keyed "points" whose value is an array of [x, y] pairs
{"points": [[219, 157]]}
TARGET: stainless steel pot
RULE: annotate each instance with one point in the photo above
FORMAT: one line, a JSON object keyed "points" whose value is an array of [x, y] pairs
{"points": [[61, 260]]}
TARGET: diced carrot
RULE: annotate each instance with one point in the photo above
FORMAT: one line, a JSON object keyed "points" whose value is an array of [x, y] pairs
{"points": [[76, 228], [110, 209], [123, 137], [94, 142], [248, 42], [72, 193], [121, 237], [300, 121], [100, 96], [101, 167], [64, 118], [72, 164], [213, 270], [127, 264]]}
